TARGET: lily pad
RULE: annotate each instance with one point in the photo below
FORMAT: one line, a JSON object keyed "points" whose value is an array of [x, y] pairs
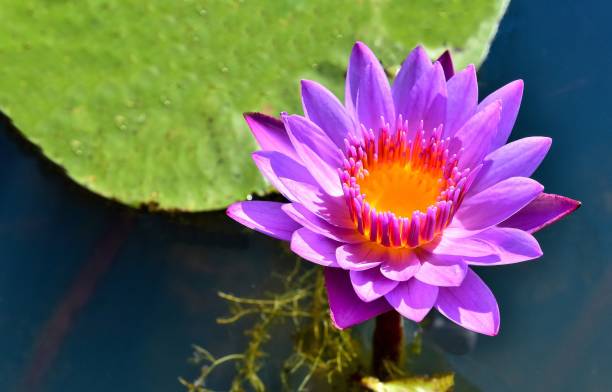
{"points": [[141, 101]]}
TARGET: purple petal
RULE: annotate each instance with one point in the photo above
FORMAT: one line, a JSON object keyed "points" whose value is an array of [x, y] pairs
{"points": [[517, 159], [304, 217], [323, 108], [270, 134], [332, 209], [275, 166], [413, 299], [446, 61], [471, 305], [366, 78], [459, 243], [496, 204], [264, 216], [510, 96], [401, 264], [374, 101], [441, 270], [414, 67], [462, 99], [426, 102], [476, 134], [370, 284], [545, 210], [314, 247], [360, 257], [511, 246], [319, 154], [345, 306]]}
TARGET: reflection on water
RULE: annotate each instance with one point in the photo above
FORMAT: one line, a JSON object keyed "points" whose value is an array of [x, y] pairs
{"points": [[82, 308]]}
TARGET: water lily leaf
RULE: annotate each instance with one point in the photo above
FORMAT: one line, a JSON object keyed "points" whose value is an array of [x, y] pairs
{"points": [[441, 383], [141, 101]]}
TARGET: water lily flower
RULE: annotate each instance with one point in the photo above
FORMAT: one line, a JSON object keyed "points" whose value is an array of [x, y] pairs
{"points": [[404, 188]]}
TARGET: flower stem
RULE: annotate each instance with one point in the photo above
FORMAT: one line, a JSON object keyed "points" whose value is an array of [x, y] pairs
{"points": [[387, 343]]}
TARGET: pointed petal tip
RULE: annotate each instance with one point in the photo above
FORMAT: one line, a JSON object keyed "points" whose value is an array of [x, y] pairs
{"points": [[493, 332], [545, 210], [573, 205], [255, 118], [544, 139], [360, 45], [230, 210], [447, 64], [420, 49], [248, 115], [307, 83], [517, 86]]}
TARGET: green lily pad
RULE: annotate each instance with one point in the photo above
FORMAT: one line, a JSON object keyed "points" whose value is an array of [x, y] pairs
{"points": [[141, 101], [441, 383]]}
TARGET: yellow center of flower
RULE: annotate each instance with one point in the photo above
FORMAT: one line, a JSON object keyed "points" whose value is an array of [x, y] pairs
{"points": [[401, 189]]}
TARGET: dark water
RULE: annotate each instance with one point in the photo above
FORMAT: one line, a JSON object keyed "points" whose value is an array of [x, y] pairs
{"points": [[96, 298]]}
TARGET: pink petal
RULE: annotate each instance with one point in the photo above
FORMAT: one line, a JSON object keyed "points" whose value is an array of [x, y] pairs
{"points": [[370, 284], [511, 246], [517, 159], [496, 204], [264, 216], [323, 108], [400, 264], [462, 99], [510, 96], [274, 166], [366, 77], [304, 217], [320, 155], [476, 134], [413, 299], [345, 306], [471, 305], [414, 67], [270, 134], [441, 270], [426, 102], [361, 256], [314, 247], [545, 210]]}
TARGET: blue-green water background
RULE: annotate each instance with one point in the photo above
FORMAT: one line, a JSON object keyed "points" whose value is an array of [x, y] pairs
{"points": [[134, 329]]}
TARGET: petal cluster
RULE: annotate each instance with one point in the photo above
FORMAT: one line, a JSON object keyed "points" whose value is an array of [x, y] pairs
{"points": [[402, 188]]}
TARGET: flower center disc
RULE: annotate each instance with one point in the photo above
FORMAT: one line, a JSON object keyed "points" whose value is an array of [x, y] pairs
{"points": [[401, 189]]}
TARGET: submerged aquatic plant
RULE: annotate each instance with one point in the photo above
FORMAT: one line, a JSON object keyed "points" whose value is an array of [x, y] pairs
{"points": [[317, 346], [402, 189], [322, 356]]}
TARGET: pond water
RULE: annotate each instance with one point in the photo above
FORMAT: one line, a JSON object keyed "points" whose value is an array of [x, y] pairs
{"points": [[95, 297]]}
